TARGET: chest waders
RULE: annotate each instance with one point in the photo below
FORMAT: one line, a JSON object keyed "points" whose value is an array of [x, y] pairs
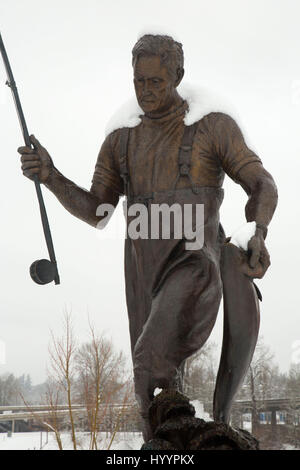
{"points": [[173, 294]]}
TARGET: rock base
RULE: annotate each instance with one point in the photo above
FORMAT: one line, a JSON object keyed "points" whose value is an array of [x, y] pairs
{"points": [[175, 427]]}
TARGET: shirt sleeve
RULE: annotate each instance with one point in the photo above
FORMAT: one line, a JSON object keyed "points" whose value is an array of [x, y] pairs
{"points": [[230, 146], [106, 169]]}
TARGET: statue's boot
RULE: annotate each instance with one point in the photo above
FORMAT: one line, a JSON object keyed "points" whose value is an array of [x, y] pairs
{"points": [[241, 326], [145, 385]]}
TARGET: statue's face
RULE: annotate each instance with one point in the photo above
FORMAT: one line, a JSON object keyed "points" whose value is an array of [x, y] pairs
{"points": [[154, 87]]}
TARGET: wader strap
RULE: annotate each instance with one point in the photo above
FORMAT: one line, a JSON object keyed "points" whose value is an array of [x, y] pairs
{"points": [[124, 173], [185, 154]]}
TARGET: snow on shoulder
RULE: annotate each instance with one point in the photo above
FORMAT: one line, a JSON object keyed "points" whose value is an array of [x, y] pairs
{"points": [[200, 100], [128, 115]]}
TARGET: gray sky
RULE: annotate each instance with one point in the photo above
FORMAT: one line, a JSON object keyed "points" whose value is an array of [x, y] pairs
{"points": [[72, 63]]}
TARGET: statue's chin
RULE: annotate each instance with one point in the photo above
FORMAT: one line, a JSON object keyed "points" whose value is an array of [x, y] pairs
{"points": [[148, 109]]}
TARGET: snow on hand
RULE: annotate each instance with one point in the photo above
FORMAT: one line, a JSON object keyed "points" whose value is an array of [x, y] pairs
{"points": [[242, 235]]}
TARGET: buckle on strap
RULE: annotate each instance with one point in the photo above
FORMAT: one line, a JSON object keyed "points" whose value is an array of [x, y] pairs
{"points": [[186, 148], [123, 165], [184, 169]]}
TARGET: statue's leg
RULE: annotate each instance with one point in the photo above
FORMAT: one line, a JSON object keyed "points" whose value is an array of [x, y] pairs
{"points": [[182, 316], [241, 326]]}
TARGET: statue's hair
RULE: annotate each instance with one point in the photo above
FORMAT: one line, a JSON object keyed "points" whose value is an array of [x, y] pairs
{"points": [[169, 51]]}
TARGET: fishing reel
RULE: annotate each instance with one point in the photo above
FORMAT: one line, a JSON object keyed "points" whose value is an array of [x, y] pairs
{"points": [[43, 271]]}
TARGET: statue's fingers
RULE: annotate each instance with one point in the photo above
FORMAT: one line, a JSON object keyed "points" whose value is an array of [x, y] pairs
{"points": [[254, 255], [260, 271], [262, 265], [265, 260], [31, 158], [256, 272], [28, 165], [35, 142], [30, 172], [26, 150], [265, 256]]}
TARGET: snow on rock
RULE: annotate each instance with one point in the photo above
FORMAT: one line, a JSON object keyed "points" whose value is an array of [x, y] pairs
{"points": [[242, 235], [200, 413]]}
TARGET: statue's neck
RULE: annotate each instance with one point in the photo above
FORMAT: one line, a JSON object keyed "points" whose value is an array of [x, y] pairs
{"points": [[175, 103]]}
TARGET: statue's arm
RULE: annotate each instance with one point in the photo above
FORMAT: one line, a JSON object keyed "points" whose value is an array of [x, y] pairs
{"points": [[83, 204], [246, 169], [78, 201], [260, 207], [262, 194]]}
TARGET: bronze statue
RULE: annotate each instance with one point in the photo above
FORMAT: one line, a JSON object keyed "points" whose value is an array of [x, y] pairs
{"points": [[173, 294]]}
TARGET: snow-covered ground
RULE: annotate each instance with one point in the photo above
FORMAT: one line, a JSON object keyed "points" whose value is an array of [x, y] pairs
{"points": [[288, 447], [36, 440], [121, 441]]}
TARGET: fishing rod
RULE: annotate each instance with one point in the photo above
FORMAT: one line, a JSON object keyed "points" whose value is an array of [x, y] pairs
{"points": [[42, 271]]}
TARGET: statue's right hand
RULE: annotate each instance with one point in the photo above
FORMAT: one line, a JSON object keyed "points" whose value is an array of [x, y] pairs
{"points": [[36, 161]]}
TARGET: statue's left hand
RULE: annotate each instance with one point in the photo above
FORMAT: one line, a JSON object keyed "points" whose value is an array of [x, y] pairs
{"points": [[258, 258]]}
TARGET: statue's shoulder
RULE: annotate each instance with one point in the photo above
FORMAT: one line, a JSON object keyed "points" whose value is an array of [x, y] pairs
{"points": [[218, 118]]}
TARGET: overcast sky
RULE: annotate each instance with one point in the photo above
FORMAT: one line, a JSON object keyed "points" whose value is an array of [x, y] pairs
{"points": [[72, 64]]}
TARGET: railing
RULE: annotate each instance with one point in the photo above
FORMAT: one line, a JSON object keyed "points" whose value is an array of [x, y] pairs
{"points": [[130, 418], [278, 404]]}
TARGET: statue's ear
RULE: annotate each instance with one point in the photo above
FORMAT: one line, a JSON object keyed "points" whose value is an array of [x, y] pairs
{"points": [[180, 74]]}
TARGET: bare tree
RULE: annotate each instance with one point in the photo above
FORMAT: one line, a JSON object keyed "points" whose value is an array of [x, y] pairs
{"points": [[62, 365], [92, 375], [293, 413], [100, 379], [258, 384], [53, 421], [9, 389], [200, 374]]}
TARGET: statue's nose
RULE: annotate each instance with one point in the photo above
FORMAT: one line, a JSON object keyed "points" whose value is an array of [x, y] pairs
{"points": [[146, 87]]}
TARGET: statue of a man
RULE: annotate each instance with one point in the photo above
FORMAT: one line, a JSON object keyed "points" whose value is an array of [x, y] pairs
{"points": [[172, 153]]}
